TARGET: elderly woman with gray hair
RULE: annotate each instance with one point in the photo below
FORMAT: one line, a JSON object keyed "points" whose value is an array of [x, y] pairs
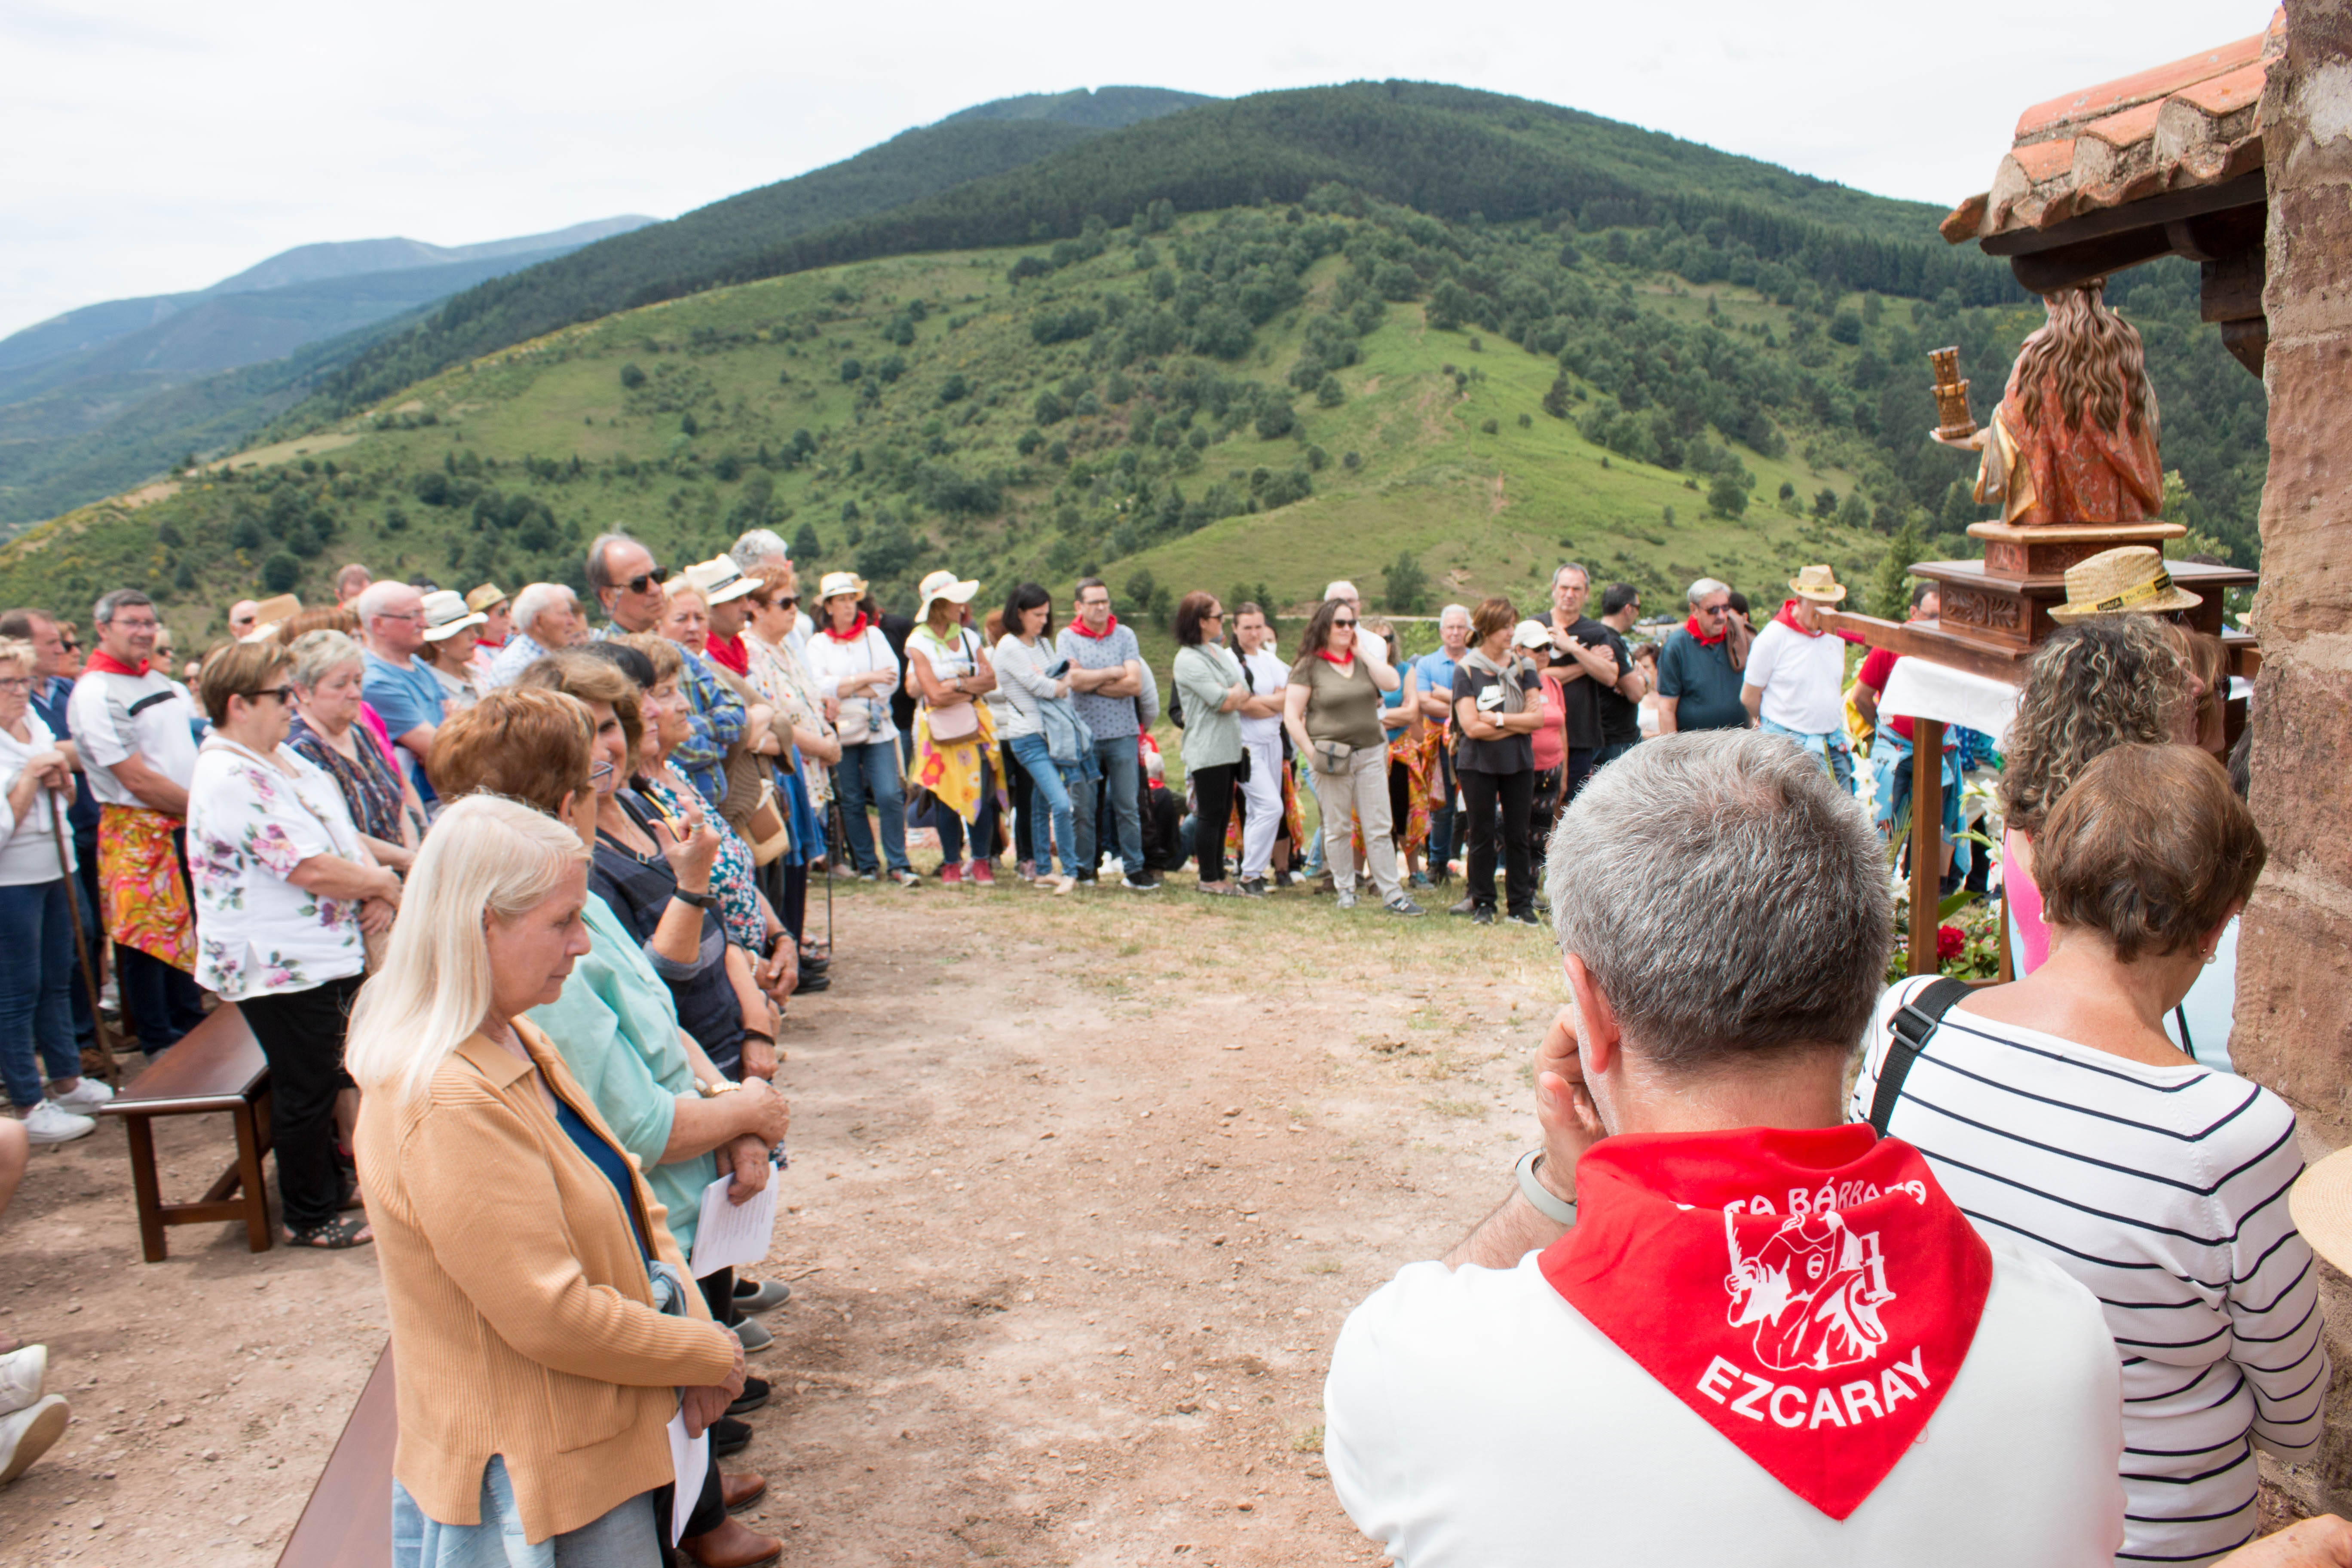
{"points": [[327, 734]]}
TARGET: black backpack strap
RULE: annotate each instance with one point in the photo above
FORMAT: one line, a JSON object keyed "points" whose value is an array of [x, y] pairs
{"points": [[1915, 1023]]}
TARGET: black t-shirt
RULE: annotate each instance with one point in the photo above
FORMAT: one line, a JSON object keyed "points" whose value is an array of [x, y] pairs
{"points": [[1585, 701], [1513, 754], [639, 892], [1621, 716], [896, 629]]}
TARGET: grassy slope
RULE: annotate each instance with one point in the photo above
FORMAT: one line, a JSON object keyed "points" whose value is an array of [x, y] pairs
{"points": [[1482, 513]]}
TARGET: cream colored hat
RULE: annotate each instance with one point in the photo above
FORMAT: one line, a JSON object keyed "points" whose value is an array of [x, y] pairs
{"points": [[1818, 584], [2320, 1204], [483, 598], [2128, 580], [945, 586], [1531, 634], [719, 580], [445, 615], [834, 585], [269, 614]]}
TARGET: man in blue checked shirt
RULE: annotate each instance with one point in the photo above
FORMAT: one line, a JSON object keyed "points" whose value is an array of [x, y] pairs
{"points": [[626, 583]]}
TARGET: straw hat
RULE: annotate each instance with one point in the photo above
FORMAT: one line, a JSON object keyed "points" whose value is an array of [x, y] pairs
{"points": [[269, 614], [445, 615], [1818, 584], [485, 597], [945, 586], [834, 585], [2129, 579], [719, 580], [2320, 1204], [1531, 634]]}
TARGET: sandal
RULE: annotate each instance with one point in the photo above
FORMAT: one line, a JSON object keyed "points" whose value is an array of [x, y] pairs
{"points": [[334, 1236]]}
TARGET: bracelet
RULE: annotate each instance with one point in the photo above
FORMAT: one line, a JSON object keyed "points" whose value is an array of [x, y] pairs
{"points": [[758, 1035], [701, 900], [713, 1089], [1539, 1196]]}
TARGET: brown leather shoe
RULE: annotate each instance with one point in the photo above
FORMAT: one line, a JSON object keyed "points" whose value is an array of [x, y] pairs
{"points": [[741, 1491], [732, 1545]]}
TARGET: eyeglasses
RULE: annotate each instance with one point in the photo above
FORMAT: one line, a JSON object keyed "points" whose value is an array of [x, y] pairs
{"points": [[1715, 609], [644, 582], [285, 694], [400, 614], [1212, 614], [14, 683], [1336, 624]]}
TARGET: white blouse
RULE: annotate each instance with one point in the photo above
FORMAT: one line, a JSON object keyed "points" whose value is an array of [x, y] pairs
{"points": [[29, 849], [249, 825]]}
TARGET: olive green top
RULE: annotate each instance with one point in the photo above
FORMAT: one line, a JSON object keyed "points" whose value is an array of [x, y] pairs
{"points": [[1343, 706]]}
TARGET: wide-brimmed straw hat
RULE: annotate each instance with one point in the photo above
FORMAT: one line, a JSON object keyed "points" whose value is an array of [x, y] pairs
{"points": [[2320, 1204], [1818, 584], [945, 586], [483, 598], [269, 614], [719, 580], [445, 615], [834, 585], [2130, 580]]}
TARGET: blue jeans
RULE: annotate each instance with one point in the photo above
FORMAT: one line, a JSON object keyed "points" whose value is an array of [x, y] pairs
{"points": [[1832, 747], [629, 1536], [1117, 758], [1610, 752], [36, 981], [1052, 793], [983, 824], [869, 775]]}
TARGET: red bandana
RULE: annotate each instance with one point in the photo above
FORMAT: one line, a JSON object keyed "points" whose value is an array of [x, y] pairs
{"points": [[1810, 1294], [1110, 625], [1341, 659], [105, 663], [1692, 627], [856, 629], [1788, 618], [730, 652]]}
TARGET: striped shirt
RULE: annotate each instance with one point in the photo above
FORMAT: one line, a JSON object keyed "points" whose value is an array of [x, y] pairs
{"points": [[2164, 1190]]}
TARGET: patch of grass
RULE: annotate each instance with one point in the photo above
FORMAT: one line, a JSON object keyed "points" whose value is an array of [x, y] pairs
{"points": [[1309, 1441], [1461, 1109]]}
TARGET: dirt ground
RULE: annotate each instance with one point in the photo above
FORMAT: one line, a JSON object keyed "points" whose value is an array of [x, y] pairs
{"points": [[1081, 1191]]}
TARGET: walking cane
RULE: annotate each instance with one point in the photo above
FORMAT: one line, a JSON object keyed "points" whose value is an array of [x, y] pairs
{"points": [[98, 1031], [833, 858]]}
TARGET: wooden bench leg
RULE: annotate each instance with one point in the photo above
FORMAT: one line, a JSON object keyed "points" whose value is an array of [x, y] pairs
{"points": [[248, 1164], [140, 1132]]}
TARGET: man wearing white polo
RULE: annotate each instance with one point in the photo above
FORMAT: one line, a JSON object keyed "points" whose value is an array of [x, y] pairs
{"points": [[1795, 684]]}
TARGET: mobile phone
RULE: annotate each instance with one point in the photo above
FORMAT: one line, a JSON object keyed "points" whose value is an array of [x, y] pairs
{"points": [[1058, 668]]}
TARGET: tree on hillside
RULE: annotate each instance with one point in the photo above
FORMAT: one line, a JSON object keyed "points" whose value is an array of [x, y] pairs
{"points": [[1890, 591], [1555, 400], [1726, 496], [1408, 585], [805, 546]]}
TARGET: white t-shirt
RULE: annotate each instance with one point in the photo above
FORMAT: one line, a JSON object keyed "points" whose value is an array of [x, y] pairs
{"points": [[1802, 679], [1476, 1419], [29, 845], [2162, 1189], [116, 716], [1266, 673]]}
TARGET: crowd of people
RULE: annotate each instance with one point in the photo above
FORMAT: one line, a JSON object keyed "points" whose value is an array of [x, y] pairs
{"points": [[513, 893]]}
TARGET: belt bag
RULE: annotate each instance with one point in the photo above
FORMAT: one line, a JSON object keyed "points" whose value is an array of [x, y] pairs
{"points": [[1333, 756], [959, 722]]}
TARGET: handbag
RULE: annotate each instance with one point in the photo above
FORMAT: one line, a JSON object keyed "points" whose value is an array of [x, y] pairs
{"points": [[1333, 756], [766, 829], [958, 723]]}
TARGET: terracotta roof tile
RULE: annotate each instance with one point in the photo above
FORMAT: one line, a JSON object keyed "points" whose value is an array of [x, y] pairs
{"points": [[2195, 121]]}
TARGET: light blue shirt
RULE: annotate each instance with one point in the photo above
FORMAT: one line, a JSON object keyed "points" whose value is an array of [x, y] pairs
{"points": [[405, 698], [520, 654]]}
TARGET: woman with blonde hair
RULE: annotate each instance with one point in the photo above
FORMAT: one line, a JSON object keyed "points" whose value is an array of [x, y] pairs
{"points": [[536, 1378]]}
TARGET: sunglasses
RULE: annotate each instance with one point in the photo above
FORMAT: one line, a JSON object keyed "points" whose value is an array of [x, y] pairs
{"points": [[1336, 624], [1716, 610], [644, 582], [285, 694]]}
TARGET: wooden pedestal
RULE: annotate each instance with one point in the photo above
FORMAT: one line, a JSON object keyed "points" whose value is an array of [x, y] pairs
{"points": [[2009, 614]]}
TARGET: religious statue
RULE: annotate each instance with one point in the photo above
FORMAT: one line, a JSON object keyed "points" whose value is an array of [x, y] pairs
{"points": [[2075, 438]]}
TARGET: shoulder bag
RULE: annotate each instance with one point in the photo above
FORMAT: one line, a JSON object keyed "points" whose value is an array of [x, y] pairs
{"points": [[1916, 1023], [959, 721]]}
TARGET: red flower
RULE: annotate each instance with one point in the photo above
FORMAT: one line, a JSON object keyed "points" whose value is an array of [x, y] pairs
{"points": [[1950, 942]]}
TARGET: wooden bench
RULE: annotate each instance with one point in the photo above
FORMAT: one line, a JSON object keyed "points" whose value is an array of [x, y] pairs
{"points": [[347, 1523], [217, 1067]]}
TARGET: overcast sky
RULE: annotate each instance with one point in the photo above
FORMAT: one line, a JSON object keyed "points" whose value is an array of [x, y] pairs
{"points": [[149, 147]]}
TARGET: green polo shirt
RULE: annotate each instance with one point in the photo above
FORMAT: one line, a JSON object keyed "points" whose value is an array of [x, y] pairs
{"points": [[617, 1029], [1701, 676]]}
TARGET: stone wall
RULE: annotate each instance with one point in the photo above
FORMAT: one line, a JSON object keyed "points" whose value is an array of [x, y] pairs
{"points": [[2294, 1026]]}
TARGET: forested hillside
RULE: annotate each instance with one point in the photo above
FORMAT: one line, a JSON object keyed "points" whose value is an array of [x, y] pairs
{"points": [[1251, 400]]}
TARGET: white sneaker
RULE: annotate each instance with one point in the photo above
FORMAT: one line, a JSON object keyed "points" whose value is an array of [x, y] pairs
{"points": [[88, 1091], [21, 1372], [49, 1122], [27, 1434]]}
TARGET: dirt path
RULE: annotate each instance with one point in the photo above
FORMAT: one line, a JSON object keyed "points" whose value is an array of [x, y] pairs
{"points": [[1081, 1191]]}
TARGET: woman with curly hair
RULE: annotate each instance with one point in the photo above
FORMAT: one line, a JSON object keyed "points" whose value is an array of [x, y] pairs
{"points": [[2074, 439]]}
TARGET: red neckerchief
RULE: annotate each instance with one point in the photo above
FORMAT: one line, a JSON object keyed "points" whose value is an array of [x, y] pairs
{"points": [[1810, 1294], [856, 629], [106, 664], [1691, 626], [1341, 660], [1110, 625], [728, 652], [1788, 618]]}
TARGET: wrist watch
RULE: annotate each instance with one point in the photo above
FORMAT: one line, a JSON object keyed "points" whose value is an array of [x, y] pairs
{"points": [[1544, 1201], [699, 900]]}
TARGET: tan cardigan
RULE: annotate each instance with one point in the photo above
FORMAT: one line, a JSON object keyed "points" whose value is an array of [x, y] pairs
{"points": [[522, 1320]]}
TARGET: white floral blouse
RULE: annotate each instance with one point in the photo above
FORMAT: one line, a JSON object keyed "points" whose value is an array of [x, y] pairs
{"points": [[249, 825]]}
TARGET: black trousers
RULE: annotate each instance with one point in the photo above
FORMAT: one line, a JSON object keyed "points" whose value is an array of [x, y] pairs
{"points": [[1510, 796], [301, 1033], [1016, 789], [1212, 803]]}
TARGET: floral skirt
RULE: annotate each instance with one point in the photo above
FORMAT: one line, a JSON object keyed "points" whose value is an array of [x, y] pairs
{"points": [[142, 893]]}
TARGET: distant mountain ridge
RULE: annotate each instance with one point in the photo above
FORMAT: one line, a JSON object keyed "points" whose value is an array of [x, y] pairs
{"points": [[1103, 109]]}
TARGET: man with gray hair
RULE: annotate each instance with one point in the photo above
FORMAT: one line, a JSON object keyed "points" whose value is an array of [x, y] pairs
{"points": [[1698, 685], [761, 547], [1702, 1261], [546, 617], [398, 683]]}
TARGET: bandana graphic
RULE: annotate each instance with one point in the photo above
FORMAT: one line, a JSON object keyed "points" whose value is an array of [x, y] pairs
{"points": [[1810, 1294]]}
